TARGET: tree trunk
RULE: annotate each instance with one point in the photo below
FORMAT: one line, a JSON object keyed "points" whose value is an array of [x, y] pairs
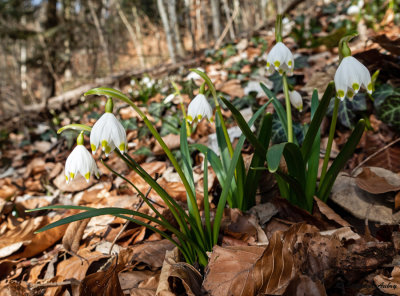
{"points": [[138, 33], [167, 29], [132, 34], [216, 19], [101, 35], [174, 27], [188, 6], [228, 16]]}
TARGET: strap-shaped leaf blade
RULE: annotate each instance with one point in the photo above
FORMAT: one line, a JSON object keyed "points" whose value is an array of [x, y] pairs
{"points": [[316, 121], [340, 161]]}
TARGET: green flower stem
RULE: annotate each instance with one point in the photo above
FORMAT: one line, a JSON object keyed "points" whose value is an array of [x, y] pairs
{"points": [[288, 108], [224, 129], [119, 95], [76, 127], [178, 93], [330, 139], [278, 28]]}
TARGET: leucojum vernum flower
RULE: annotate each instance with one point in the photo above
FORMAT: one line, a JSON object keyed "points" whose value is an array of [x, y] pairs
{"points": [[108, 132], [80, 161], [199, 108]]}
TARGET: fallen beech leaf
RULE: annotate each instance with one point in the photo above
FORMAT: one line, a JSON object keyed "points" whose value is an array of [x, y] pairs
{"points": [[378, 180], [75, 267], [329, 213], [342, 233], [151, 253], [389, 285], [388, 159], [360, 203], [105, 283], [172, 141], [231, 87], [253, 270], [175, 273], [23, 235], [73, 235]]}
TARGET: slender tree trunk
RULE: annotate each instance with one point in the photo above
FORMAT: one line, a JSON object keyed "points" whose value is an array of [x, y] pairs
{"points": [[188, 8], [228, 16], [174, 27], [100, 34], [138, 33], [264, 4], [23, 61], [216, 19], [132, 34], [199, 32], [167, 29]]}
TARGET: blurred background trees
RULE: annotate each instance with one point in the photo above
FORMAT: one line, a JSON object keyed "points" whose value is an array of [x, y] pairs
{"points": [[51, 46]]}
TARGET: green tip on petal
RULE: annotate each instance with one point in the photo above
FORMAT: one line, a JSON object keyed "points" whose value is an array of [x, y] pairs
{"points": [[104, 144], [280, 72], [66, 178], [71, 176], [93, 147], [268, 64], [87, 176], [107, 150], [199, 117], [350, 94], [355, 86], [277, 64], [369, 87], [340, 93], [122, 147], [290, 63], [189, 118]]}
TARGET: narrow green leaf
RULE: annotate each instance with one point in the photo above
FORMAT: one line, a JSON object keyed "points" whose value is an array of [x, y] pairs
{"points": [[258, 160], [187, 167], [274, 156], [243, 125], [316, 121], [206, 202], [340, 161]]}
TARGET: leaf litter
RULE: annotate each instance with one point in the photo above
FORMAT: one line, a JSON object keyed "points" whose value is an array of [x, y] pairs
{"points": [[275, 248]]}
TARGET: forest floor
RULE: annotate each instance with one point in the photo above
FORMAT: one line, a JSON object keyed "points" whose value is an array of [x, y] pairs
{"points": [[349, 246]]}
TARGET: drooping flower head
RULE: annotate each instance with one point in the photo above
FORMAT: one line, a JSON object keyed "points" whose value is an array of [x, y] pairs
{"points": [[199, 108], [280, 59], [296, 100], [108, 132], [80, 161], [351, 74]]}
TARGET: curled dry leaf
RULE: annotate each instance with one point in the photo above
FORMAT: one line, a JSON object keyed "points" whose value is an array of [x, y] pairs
{"points": [[23, 235], [253, 270], [105, 283], [327, 212], [378, 180], [73, 235], [175, 274], [151, 253]]}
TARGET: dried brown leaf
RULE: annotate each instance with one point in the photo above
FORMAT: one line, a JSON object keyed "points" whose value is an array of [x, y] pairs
{"points": [[252, 270], [324, 209], [176, 275], [303, 285], [73, 235], [389, 285], [151, 253], [104, 283], [171, 140], [378, 180]]}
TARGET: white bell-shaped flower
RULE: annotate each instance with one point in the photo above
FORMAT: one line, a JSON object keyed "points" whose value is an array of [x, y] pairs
{"points": [[280, 59], [198, 108], [169, 98], [296, 100], [80, 161], [108, 133], [350, 76]]}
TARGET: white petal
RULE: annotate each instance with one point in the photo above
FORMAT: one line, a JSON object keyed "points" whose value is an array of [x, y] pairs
{"points": [[199, 108], [80, 161], [108, 133], [296, 100], [169, 98], [280, 58]]}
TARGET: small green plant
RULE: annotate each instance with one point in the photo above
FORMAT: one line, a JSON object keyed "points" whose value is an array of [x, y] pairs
{"points": [[299, 183]]}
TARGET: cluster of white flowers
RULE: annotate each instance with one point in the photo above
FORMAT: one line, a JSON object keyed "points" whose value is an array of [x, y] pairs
{"points": [[108, 133], [349, 77]]}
